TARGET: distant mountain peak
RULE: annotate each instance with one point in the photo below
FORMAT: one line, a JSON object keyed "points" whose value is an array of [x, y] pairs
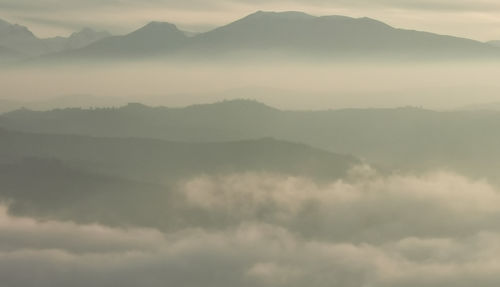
{"points": [[283, 14], [159, 24], [287, 15], [373, 21], [156, 26], [155, 30], [136, 106], [236, 105], [363, 20], [88, 31], [84, 37], [14, 29], [20, 39]]}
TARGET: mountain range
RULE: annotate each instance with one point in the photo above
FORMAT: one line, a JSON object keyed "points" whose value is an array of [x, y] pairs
{"points": [[153, 160], [18, 42], [460, 140], [74, 100], [269, 33], [297, 32]]}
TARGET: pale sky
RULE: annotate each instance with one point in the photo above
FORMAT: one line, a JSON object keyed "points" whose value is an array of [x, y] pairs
{"points": [[476, 19]]}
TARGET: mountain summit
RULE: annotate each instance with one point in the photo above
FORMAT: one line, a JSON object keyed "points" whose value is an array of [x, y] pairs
{"points": [[20, 39], [85, 37], [332, 36], [295, 31], [18, 42], [152, 39]]}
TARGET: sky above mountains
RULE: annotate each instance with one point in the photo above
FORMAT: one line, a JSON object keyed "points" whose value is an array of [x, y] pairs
{"points": [[476, 19]]}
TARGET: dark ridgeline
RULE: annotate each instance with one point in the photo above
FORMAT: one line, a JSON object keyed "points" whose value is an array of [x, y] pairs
{"points": [[399, 138], [132, 181], [157, 160]]}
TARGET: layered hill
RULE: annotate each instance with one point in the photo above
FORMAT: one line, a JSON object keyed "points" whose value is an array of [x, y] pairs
{"points": [[396, 138], [127, 181], [159, 161]]}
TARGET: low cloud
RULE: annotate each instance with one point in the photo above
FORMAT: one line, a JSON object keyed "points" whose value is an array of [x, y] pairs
{"points": [[438, 229], [373, 209], [26, 233]]}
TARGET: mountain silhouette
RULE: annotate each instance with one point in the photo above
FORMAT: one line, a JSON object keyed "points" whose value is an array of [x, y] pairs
{"points": [[18, 42], [292, 30], [20, 39], [84, 38], [331, 35], [76, 40], [293, 33], [154, 39]]}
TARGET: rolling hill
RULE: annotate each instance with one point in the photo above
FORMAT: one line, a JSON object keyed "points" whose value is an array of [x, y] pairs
{"points": [[126, 181], [159, 161], [395, 138]]}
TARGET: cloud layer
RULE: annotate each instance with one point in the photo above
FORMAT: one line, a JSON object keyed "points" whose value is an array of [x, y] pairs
{"points": [[370, 210], [439, 229]]}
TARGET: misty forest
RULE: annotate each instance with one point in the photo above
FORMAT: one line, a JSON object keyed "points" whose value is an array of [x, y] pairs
{"points": [[200, 143]]}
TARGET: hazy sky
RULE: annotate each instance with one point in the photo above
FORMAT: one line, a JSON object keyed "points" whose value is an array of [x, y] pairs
{"points": [[477, 19]]}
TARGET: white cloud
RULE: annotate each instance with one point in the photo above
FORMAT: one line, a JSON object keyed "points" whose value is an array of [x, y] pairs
{"points": [[433, 230], [371, 209], [27, 233]]}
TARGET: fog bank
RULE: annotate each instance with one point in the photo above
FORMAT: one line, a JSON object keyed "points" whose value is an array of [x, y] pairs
{"points": [[437, 229], [280, 82]]}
